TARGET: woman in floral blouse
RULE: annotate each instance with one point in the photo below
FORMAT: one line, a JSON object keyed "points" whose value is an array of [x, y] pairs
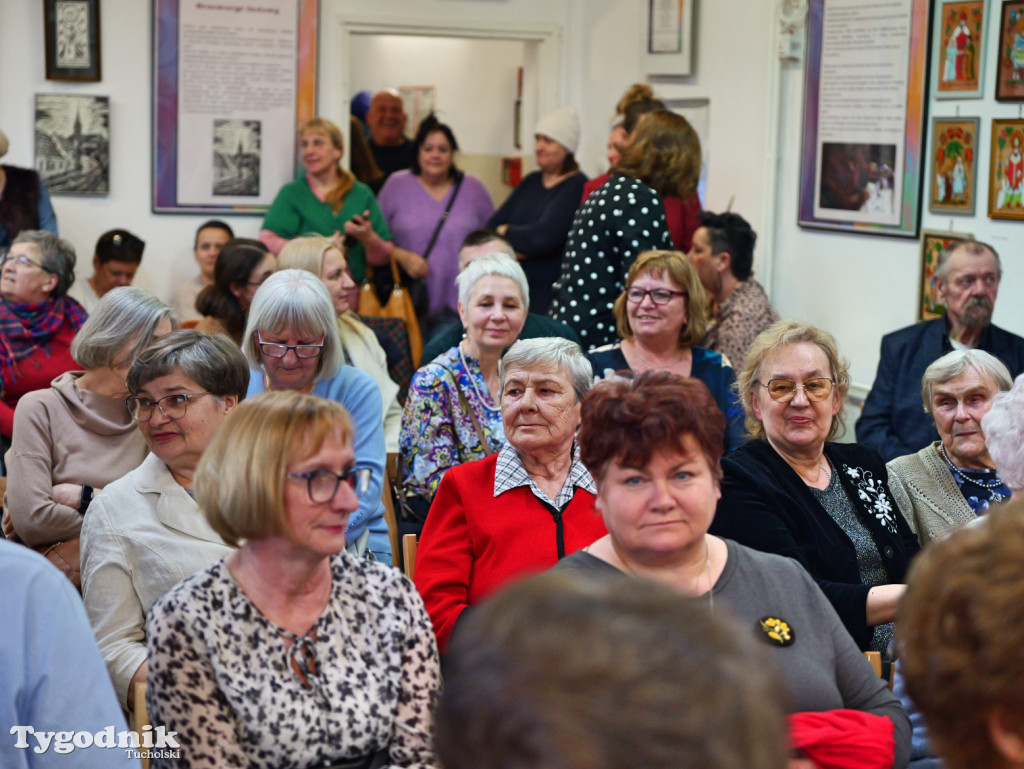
{"points": [[794, 492], [452, 414]]}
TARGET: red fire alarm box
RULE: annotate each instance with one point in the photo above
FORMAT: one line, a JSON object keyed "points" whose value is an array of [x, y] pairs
{"points": [[512, 171]]}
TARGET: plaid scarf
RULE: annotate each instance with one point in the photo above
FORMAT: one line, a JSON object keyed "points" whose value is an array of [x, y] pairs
{"points": [[26, 327]]}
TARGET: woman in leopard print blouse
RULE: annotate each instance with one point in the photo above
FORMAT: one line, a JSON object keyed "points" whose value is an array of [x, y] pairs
{"points": [[291, 652]]}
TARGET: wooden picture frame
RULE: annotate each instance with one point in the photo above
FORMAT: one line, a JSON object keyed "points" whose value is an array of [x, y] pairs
{"points": [[952, 167], [1006, 170], [932, 244], [959, 45], [72, 35], [668, 37], [1010, 67]]}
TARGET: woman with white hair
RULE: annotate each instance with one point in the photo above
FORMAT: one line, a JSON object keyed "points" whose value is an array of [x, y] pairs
{"points": [[74, 437], [1003, 426], [453, 412], [953, 480], [291, 341]]}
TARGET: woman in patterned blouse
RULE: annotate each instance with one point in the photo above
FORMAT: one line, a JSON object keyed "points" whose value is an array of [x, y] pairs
{"points": [[452, 414], [291, 652]]}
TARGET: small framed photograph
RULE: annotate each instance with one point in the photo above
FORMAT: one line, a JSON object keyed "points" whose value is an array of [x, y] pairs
{"points": [[73, 143], [952, 168], [1006, 170], [1010, 69], [932, 244], [959, 40], [72, 33]]}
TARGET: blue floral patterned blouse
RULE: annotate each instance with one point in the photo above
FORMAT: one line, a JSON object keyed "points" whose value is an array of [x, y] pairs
{"points": [[437, 432]]}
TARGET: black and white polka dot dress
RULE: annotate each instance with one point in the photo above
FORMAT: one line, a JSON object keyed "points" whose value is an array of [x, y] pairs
{"points": [[616, 223]]}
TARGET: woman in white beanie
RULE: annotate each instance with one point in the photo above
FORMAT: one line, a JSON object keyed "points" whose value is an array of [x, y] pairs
{"points": [[537, 216], [24, 201]]}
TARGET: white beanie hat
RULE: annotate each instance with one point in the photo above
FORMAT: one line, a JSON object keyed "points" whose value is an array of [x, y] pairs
{"points": [[562, 125]]}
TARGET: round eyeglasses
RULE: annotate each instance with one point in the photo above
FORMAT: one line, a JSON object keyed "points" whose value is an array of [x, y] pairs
{"points": [[784, 390], [277, 350], [171, 406], [322, 485], [658, 295]]}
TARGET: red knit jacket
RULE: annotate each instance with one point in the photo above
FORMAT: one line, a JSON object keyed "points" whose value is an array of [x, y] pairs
{"points": [[474, 543]]}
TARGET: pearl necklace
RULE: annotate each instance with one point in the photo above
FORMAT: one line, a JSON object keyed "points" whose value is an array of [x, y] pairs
{"points": [[472, 381], [975, 481]]}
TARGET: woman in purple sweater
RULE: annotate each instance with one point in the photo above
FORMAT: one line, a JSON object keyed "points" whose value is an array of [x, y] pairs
{"points": [[434, 196]]}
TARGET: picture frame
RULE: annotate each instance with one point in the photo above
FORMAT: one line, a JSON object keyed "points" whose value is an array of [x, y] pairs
{"points": [[1010, 67], [952, 168], [668, 37], [72, 40], [959, 43], [932, 244], [72, 148], [1006, 170]]}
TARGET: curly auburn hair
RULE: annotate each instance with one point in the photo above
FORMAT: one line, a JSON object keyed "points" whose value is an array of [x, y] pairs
{"points": [[630, 420], [664, 154]]}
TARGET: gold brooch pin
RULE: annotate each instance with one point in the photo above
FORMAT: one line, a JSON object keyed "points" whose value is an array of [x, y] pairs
{"points": [[776, 631]]}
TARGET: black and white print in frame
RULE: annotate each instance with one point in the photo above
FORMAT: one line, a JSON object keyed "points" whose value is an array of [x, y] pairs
{"points": [[73, 143], [72, 33]]}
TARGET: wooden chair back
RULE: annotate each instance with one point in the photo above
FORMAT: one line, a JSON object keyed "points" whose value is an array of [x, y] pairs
{"points": [[409, 545], [387, 498], [141, 717]]}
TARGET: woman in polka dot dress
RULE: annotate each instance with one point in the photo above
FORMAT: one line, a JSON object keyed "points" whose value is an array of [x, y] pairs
{"points": [[623, 218]]}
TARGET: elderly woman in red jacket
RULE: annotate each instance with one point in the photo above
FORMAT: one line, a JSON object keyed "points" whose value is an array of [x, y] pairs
{"points": [[520, 510]]}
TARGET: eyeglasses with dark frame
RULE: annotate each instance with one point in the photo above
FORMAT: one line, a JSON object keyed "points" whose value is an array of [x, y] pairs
{"points": [[171, 406], [22, 261], [784, 390], [322, 485], [277, 350], [658, 295]]}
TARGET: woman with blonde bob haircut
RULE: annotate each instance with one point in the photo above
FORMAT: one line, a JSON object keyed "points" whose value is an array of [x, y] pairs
{"points": [[290, 629], [660, 316], [325, 258], [794, 492]]}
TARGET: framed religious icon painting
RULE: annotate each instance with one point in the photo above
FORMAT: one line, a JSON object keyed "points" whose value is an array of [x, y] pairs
{"points": [[952, 175], [1006, 170], [1010, 67], [959, 40], [932, 244], [72, 34]]}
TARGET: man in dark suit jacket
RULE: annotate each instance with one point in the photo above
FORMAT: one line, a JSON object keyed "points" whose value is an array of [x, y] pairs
{"points": [[967, 275]]}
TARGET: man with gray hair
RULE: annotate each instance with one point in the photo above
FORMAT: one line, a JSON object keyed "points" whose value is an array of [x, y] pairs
{"points": [[967, 278]]}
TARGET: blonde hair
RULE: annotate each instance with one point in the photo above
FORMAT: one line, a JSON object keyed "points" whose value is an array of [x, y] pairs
{"points": [[676, 267], [777, 336], [242, 492], [336, 195], [306, 253], [664, 154]]}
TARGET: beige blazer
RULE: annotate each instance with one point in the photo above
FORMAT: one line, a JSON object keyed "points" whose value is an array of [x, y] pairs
{"points": [[927, 494], [141, 537]]}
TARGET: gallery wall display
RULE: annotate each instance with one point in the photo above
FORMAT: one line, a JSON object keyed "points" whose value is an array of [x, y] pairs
{"points": [[232, 82], [864, 116], [1006, 170], [1010, 71], [72, 34], [959, 48], [952, 170], [72, 153], [668, 48], [932, 244]]}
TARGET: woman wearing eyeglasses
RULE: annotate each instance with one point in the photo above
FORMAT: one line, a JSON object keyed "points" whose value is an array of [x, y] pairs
{"points": [[290, 651], [145, 533], [660, 315], [292, 343], [794, 492]]}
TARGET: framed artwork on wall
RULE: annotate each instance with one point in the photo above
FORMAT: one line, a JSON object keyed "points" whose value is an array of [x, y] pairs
{"points": [[73, 143], [952, 173], [1006, 170], [932, 244], [668, 44], [1010, 69], [959, 43], [72, 34]]}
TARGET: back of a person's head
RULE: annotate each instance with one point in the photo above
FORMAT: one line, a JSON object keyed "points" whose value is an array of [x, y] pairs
{"points": [[566, 671]]}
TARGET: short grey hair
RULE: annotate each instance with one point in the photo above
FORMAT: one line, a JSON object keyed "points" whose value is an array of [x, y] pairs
{"points": [[212, 361], [119, 328], [953, 364], [1003, 427], [55, 254], [298, 300], [549, 352], [973, 247], [492, 264]]}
